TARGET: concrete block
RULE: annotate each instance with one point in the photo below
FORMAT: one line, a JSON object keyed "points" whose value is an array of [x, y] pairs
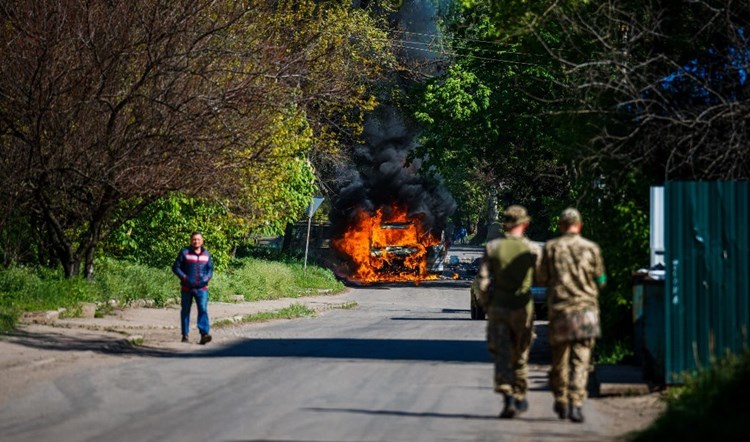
{"points": [[88, 309], [42, 317]]}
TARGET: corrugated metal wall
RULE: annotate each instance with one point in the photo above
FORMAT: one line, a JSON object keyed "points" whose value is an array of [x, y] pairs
{"points": [[707, 308]]}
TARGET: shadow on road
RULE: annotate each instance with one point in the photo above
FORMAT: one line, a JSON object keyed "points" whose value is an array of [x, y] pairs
{"points": [[343, 348], [384, 349], [404, 413], [98, 344], [459, 351]]}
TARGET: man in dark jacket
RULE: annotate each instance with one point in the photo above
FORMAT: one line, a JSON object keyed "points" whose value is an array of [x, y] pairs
{"points": [[195, 268]]}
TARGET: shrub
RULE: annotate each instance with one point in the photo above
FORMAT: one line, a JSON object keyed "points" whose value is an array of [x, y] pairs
{"points": [[712, 405]]}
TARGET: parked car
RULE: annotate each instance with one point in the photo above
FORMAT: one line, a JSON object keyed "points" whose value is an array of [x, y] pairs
{"points": [[538, 294], [477, 312]]}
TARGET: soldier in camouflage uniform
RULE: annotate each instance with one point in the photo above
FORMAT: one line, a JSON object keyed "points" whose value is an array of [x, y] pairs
{"points": [[572, 268], [504, 288]]}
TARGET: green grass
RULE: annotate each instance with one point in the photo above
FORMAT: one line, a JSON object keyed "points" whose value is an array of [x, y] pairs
{"points": [[291, 312], [25, 289], [612, 353], [256, 279], [711, 405]]}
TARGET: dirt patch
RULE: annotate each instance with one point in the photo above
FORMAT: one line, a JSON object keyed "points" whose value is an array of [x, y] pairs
{"points": [[630, 413]]}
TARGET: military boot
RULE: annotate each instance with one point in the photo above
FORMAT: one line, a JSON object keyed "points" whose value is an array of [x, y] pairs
{"points": [[575, 414], [561, 409], [522, 406], [510, 411]]}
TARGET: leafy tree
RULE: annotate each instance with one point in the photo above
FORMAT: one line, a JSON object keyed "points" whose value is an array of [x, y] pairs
{"points": [[486, 125], [100, 117], [667, 79], [163, 228], [509, 115], [651, 91]]}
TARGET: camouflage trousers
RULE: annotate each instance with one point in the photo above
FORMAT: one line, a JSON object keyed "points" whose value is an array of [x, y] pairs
{"points": [[570, 370], [509, 337]]}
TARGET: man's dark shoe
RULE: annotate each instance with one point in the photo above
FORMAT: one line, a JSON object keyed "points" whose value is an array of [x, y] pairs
{"points": [[575, 414], [185, 338], [561, 409], [509, 411], [522, 406], [205, 339]]}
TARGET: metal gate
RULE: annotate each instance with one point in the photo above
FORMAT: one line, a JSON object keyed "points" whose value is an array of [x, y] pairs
{"points": [[706, 302]]}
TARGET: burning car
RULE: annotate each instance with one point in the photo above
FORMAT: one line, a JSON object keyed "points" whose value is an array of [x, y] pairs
{"points": [[387, 246]]}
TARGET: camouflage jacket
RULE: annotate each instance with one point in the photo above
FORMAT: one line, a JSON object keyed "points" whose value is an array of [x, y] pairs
{"points": [[507, 273], [572, 269]]}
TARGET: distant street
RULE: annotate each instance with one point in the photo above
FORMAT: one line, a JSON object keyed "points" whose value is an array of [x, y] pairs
{"points": [[407, 364]]}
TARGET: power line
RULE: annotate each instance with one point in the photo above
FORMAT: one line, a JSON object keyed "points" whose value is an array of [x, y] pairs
{"points": [[468, 48], [454, 54], [464, 42], [452, 37]]}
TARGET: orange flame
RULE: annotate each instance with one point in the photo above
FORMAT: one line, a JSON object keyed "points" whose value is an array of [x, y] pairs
{"points": [[392, 248]]}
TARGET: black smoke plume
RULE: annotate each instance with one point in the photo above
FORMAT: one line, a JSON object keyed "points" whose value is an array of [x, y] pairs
{"points": [[382, 178]]}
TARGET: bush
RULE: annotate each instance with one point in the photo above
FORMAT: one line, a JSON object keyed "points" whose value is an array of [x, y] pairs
{"points": [[126, 282], [712, 405]]}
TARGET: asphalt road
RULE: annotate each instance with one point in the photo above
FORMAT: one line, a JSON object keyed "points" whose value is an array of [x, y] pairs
{"points": [[407, 364]]}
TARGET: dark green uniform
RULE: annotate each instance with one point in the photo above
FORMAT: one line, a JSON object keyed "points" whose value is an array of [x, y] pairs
{"points": [[504, 282]]}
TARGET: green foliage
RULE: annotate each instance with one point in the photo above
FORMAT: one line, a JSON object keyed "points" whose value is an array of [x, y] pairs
{"points": [[616, 217], [126, 282], [502, 121], [484, 131], [271, 196], [236, 124], [458, 97], [612, 352], [276, 192], [256, 279], [712, 405], [8, 319], [164, 227], [27, 289]]}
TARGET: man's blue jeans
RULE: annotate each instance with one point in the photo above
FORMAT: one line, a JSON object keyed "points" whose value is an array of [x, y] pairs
{"points": [[201, 301]]}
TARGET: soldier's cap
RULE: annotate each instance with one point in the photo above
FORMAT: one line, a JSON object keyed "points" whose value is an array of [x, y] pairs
{"points": [[515, 215], [570, 216]]}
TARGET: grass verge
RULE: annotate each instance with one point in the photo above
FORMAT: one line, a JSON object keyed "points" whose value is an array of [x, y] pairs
{"points": [[118, 283], [293, 311]]}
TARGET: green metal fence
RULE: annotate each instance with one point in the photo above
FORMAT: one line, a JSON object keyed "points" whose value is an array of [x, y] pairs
{"points": [[707, 293]]}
